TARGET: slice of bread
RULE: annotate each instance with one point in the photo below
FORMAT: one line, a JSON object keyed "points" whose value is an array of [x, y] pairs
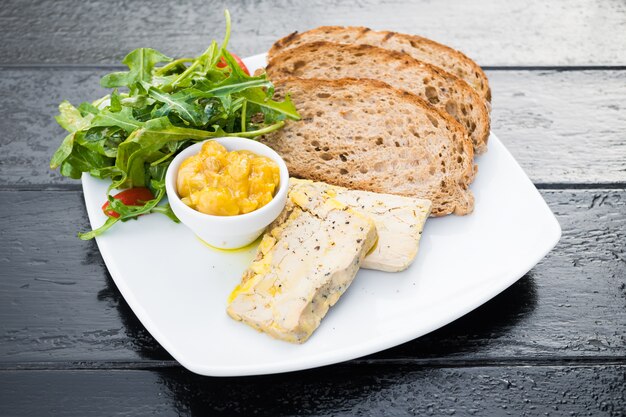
{"points": [[333, 61], [366, 135], [418, 47]]}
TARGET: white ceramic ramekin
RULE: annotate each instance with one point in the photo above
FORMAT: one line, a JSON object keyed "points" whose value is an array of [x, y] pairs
{"points": [[228, 232]]}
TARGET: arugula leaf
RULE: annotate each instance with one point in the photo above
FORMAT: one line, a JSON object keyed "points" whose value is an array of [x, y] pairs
{"points": [[181, 103], [140, 62], [106, 226], [103, 140], [115, 104], [87, 160], [137, 102], [206, 60], [285, 107], [101, 102], [236, 71], [123, 119], [87, 108], [70, 118], [68, 170], [144, 146], [166, 210], [62, 152], [232, 86], [227, 32]]}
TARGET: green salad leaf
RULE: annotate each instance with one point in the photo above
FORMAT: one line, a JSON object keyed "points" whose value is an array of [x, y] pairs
{"points": [[123, 119], [164, 105], [141, 63]]}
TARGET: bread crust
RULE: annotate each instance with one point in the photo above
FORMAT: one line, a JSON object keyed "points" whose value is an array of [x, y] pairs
{"points": [[329, 60], [364, 134], [445, 57]]}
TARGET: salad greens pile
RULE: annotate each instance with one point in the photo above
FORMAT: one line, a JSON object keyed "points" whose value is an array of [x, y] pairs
{"points": [[131, 136]]}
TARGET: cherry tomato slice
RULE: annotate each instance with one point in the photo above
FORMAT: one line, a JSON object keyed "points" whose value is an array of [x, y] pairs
{"points": [[131, 197], [222, 63]]}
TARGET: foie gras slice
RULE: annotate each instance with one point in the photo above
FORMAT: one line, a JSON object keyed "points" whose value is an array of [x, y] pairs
{"points": [[304, 263], [399, 222]]}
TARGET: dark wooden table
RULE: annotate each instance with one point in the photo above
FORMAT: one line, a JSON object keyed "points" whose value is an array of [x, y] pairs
{"points": [[554, 343]]}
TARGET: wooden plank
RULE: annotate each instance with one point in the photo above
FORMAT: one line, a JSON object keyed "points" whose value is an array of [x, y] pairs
{"points": [[338, 390], [59, 304], [566, 127], [534, 32], [59, 301]]}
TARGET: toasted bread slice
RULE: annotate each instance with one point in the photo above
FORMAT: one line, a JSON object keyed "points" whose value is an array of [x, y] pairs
{"points": [[364, 134], [305, 262], [333, 61], [399, 221], [418, 47]]}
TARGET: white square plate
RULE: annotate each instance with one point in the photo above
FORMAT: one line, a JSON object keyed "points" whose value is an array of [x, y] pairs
{"points": [[178, 287]]}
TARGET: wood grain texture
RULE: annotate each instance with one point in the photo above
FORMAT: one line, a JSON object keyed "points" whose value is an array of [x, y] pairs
{"points": [[337, 391], [532, 32], [566, 127], [57, 298], [59, 304]]}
